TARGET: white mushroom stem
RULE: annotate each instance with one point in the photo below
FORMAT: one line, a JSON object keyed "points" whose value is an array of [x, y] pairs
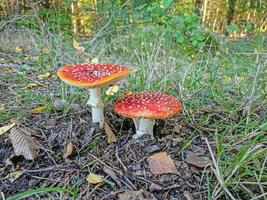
{"points": [[136, 123], [97, 106], [143, 126]]}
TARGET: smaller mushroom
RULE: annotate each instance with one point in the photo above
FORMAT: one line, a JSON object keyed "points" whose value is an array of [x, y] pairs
{"points": [[93, 77], [145, 107]]}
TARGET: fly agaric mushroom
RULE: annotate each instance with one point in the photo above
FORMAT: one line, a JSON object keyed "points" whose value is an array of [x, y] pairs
{"points": [[93, 77], [145, 107]]}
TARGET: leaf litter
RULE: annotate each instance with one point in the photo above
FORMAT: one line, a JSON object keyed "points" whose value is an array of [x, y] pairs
{"points": [[68, 150], [111, 136], [161, 163], [6, 128], [94, 178], [111, 160], [23, 144], [198, 160]]}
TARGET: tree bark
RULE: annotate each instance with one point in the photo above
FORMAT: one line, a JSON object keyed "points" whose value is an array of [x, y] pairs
{"points": [[230, 14]]}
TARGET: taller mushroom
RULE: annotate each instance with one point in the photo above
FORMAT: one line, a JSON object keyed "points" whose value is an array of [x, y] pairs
{"points": [[93, 77], [145, 107]]}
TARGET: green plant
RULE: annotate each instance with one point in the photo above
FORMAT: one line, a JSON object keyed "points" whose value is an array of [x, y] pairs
{"points": [[55, 20], [32, 192], [179, 26]]}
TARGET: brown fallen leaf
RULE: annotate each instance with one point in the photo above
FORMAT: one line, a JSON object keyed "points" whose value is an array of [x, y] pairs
{"points": [[94, 178], [111, 136], [161, 163], [6, 128], [23, 144], [132, 195], [199, 161], [68, 150], [113, 175]]}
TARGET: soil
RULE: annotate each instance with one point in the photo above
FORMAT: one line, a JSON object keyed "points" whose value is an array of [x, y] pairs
{"points": [[127, 158], [92, 154]]}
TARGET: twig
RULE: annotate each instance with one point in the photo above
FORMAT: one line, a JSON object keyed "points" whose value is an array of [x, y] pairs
{"points": [[49, 179], [111, 194], [118, 171], [83, 192], [258, 197], [39, 170], [118, 158]]}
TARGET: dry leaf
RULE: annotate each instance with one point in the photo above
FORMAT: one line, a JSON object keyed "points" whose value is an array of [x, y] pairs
{"points": [[198, 160], [111, 136], [23, 143], [161, 163], [44, 76], [13, 120], [6, 128], [18, 49], [95, 61], [14, 176], [112, 90], [32, 85], [38, 109], [68, 150], [94, 178], [77, 46], [132, 195]]}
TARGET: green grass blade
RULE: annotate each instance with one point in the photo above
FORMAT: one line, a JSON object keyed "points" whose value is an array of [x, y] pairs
{"points": [[39, 190]]}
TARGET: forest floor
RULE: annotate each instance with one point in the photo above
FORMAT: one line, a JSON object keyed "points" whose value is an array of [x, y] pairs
{"points": [[218, 144]]}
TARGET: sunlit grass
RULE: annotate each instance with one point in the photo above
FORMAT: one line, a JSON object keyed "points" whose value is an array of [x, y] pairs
{"points": [[223, 94]]}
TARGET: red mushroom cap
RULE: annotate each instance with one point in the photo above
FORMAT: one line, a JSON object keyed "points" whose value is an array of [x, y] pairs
{"points": [[92, 75], [148, 105]]}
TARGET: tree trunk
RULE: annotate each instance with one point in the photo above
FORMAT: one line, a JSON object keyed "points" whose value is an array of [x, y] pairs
{"points": [[204, 11], [230, 13], [198, 6]]}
